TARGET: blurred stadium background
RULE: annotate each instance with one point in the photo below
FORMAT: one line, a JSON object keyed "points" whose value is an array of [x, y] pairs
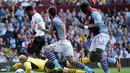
{"points": [[14, 39]]}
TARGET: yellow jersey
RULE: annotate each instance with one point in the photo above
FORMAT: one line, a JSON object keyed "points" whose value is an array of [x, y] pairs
{"points": [[35, 65]]}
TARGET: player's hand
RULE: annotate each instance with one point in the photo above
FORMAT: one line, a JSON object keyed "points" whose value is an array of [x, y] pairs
{"points": [[16, 65]]}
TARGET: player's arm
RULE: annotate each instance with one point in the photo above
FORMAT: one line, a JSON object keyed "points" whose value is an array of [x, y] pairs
{"points": [[97, 21], [17, 65], [41, 26], [28, 67], [50, 31], [27, 70], [88, 27]]}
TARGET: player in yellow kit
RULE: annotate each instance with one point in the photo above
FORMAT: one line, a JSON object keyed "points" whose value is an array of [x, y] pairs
{"points": [[40, 65]]}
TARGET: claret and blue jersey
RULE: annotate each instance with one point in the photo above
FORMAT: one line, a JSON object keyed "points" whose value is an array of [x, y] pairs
{"points": [[58, 25], [97, 18]]}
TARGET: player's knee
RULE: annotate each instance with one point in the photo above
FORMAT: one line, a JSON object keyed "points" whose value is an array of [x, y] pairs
{"points": [[95, 56], [73, 63], [63, 63], [70, 59]]}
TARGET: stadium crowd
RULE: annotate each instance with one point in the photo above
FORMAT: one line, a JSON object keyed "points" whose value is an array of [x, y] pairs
{"points": [[16, 38], [62, 2]]}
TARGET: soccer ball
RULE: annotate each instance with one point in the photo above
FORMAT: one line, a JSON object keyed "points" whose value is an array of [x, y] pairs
{"points": [[19, 71]]}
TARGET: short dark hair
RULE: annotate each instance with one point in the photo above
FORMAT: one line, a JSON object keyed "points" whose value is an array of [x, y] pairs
{"points": [[84, 7], [52, 10], [29, 8]]}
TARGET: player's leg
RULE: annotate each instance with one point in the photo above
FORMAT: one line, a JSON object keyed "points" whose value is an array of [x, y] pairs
{"points": [[86, 59], [49, 66], [101, 41], [40, 42], [92, 48], [70, 57], [49, 53], [115, 61], [77, 64], [36, 45], [98, 44], [68, 65], [67, 70], [103, 60]]}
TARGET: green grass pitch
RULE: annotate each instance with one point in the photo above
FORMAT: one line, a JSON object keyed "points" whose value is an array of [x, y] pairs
{"points": [[98, 70]]}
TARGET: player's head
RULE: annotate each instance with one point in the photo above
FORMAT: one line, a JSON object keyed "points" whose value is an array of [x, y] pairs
{"points": [[29, 10], [84, 7], [22, 58], [52, 11]]}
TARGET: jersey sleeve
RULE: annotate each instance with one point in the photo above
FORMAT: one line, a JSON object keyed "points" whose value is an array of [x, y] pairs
{"points": [[96, 16], [28, 67]]}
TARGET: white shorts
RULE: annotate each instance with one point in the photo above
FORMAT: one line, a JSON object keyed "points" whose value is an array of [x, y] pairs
{"points": [[99, 41], [64, 47]]}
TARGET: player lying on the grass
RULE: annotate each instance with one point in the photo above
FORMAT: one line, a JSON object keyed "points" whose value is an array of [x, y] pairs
{"points": [[40, 65]]}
